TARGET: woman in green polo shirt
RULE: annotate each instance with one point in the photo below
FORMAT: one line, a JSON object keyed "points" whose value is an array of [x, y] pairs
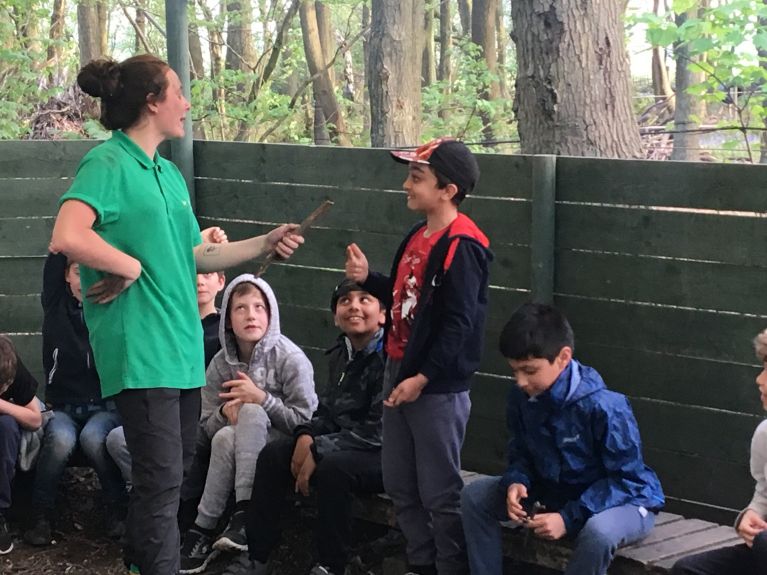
{"points": [[127, 220]]}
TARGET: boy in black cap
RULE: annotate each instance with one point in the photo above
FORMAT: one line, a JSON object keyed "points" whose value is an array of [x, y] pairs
{"points": [[437, 297], [337, 453]]}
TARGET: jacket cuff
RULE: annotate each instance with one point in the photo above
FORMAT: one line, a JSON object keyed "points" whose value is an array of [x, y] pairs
{"points": [[303, 429], [574, 516], [514, 476]]}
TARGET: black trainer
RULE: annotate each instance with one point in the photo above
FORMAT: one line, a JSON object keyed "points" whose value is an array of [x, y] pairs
{"points": [[6, 541], [233, 538], [40, 533], [196, 552]]}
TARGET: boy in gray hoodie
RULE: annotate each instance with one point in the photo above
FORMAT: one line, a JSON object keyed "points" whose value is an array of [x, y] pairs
{"points": [[253, 350]]}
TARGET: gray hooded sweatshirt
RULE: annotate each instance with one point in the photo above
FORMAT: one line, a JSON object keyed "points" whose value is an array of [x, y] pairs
{"points": [[277, 365]]}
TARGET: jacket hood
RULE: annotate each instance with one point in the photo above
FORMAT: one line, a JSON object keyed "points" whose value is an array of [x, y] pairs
{"points": [[272, 335], [574, 383], [463, 227]]}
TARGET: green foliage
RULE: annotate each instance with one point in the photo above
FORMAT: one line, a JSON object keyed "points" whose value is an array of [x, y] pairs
{"points": [[728, 44]]}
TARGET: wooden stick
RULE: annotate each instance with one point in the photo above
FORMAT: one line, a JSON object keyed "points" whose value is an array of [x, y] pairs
{"points": [[302, 229]]}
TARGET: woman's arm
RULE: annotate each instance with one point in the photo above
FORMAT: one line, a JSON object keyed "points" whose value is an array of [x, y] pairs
{"points": [[216, 257], [73, 235]]}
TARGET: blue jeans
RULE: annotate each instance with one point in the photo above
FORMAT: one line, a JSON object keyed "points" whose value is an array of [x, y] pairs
{"points": [[88, 426], [10, 435], [483, 506]]}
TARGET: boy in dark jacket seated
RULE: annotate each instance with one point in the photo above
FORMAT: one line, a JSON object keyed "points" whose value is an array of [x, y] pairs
{"points": [[337, 453], [575, 456], [73, 392]]}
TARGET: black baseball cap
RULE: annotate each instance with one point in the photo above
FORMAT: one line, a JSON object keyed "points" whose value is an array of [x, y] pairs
{"points": [[451, 158]]}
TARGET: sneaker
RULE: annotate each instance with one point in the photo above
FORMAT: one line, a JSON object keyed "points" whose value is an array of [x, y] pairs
{"points": [[244, 565], [233, 538], [196, 552], [40, 532], [6, 541]]}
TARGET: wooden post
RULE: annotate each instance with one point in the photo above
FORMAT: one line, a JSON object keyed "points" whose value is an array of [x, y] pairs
{"points": [[543, 228], [178, 57]]}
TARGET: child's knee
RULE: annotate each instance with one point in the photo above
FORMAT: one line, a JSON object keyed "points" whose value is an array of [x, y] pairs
{"points": [[252, 414], [223, 440]]}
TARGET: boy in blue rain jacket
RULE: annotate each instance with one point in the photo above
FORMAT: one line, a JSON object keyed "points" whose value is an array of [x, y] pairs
{"points": [[575, 455]]}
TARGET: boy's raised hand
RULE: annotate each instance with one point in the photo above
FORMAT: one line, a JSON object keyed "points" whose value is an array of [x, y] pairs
{"points": [[751, 525], [243, 389], [548, 526], [514, 496], [356, 264]]}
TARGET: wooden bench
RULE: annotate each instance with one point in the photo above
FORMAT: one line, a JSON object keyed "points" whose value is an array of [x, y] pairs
{"points": [[672, 538]]}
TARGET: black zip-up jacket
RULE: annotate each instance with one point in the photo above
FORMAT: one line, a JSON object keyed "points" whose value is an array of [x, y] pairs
{"points": [[351, 404], [447, 333], [70, 372]]}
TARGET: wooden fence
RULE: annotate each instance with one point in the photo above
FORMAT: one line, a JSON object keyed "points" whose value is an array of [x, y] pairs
{"points": [[658, 266]]}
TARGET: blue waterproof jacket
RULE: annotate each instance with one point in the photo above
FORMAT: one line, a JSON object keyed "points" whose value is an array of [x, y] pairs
{"points": [[576, 447]]}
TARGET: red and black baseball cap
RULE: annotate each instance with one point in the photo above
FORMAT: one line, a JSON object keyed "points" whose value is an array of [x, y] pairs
{"points": [[449, 157]]}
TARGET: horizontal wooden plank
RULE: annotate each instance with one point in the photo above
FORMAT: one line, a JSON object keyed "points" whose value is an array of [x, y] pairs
{"points": [[698, 236], [21, 276], [42, 159], [25, 236], [664, 281], [673, 331], [675, 379], [20, 313], [713, 186], [697, 431], [484, 449], [704, 480], [503, 221], [25, 197], [720, 515], [506, 176], [682, 545]]}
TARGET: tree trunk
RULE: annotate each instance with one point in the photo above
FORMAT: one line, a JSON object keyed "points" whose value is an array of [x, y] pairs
{"points": [[502, 41], [215, 43], [55, 50], [445, 70], [573, 90], [323, 89], [102, 11], [88, 32], [394, 79], [483, 16], [195, 53], [685, 144], [365, 69], [464, 13], [325, 29], [240, 54], [428, 65], [141, 28]]}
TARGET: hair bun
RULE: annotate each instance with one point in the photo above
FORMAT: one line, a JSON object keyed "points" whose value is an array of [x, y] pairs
{"points": [[100, 78]]}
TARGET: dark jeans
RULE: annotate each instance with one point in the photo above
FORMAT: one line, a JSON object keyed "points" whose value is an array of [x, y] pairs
{"points": [[735, 560], [160, 426], [88, 426], [10, 435], [339, 474]]}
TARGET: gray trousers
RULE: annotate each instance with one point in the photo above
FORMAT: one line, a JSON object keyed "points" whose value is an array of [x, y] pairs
{"points": [[160, 426], [234, 452], [421, 460]]}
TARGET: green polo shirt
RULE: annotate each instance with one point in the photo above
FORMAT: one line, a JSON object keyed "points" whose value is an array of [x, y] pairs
{"points": [[150, 335]]}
